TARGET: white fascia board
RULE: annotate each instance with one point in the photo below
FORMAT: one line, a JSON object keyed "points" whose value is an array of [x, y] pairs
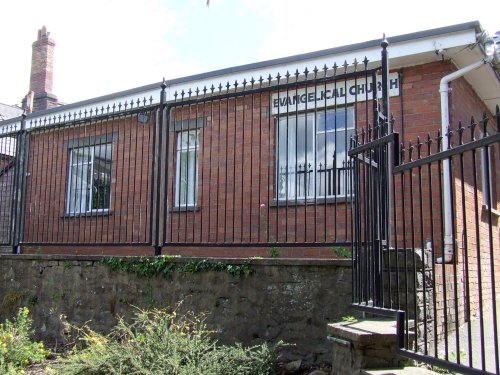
{"points": [[396, 50]]}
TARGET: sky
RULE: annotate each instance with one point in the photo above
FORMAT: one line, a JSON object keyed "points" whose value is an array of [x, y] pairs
{"points": [[106, 46]]}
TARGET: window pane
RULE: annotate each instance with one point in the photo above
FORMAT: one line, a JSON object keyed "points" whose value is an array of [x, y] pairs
{"points": [[187, 177], [189, 139], [187, 164], [312, 154], [90, 179], [295, 155], [101, 178], [81, 155], [79, 192]]}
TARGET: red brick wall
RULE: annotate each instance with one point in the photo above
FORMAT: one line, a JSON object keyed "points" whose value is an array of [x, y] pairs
{"points": [[247, 155]]}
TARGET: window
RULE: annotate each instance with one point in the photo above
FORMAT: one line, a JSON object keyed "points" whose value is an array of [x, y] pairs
{"points": [[89, 187], [187, 168], [312, 154]]}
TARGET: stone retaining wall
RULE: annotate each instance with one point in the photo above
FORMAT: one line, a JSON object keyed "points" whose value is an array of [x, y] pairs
{"points": [[284, 299]]}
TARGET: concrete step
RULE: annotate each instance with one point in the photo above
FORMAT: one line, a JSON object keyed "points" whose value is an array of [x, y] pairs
{"points": [[367, 343]]}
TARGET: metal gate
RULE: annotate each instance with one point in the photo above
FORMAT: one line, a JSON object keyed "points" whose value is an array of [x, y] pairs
{"points": [[439, 283]]}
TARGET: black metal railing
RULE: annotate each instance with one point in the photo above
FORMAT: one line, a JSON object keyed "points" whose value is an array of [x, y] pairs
{"points": [[82, 178], [264, 162], [441, 282], [205, 168]]}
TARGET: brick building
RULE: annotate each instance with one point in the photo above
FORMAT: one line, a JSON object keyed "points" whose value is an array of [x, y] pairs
{"points": [[253, 161], [254, 155]]}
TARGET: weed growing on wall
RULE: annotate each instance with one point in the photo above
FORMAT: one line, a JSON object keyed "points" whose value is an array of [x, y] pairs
{"points": [[16, 349], [162, 342], [164, 266], [342, 252]]}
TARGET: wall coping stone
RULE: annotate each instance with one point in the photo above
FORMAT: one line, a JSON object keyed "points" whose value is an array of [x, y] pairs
{"points": [[185, 259]]}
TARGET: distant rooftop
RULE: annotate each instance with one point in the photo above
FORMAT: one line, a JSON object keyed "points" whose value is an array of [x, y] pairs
{"points": [[9, 111]]}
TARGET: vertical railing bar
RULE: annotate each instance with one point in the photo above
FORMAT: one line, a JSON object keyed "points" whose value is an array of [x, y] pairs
{"points": [[34, 194], [315, 163], [467, 302], [455, 260], [344, 177], [15, 192], [78, 214], [278, 169], [491, 249], [122, 122], [45, 229], [98, 218], [307, 178], [414, 266], [334, 161], [144, 162], [169, 200], [235, 142], [185, 214], [24, 169], [226, 165], [478, 256], [195, 176], [133, 199], [53, 181], [18, 180], [325, 228], [432, 238], [270, 157], [210, 169], [201, 161], [424, 260], [88, 212], [296, 170], [260, 163], [219, 105], [443, 269], [252, 126], [395, 223], [156, 168], [174, 195], [243, 106], [114, 156], [75, 217], [405, 259]]}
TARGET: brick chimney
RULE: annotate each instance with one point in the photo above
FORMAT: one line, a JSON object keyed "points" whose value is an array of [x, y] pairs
{"points": [[42, 70]]}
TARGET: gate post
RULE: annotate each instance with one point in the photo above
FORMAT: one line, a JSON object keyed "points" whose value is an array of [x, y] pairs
{"points": [[158, 155]]}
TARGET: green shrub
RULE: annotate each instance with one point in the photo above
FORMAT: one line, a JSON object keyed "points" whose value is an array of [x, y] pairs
{"points": [[16, 348], [161, 342]]}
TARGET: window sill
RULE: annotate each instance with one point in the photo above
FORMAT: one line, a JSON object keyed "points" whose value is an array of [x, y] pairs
{"points": [[185, 209], [493, 211], [309, 201], [86, 214]]}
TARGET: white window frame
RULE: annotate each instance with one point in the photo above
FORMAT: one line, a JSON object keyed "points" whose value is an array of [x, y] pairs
{"points": [[191, 147], [311, 118], [79, 166]]}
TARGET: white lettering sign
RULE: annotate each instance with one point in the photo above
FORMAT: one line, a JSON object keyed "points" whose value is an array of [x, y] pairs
{"points": [[332, 94]]}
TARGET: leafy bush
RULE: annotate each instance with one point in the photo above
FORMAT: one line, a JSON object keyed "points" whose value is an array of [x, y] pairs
{"points": [[161, 342], [16, 348]]}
